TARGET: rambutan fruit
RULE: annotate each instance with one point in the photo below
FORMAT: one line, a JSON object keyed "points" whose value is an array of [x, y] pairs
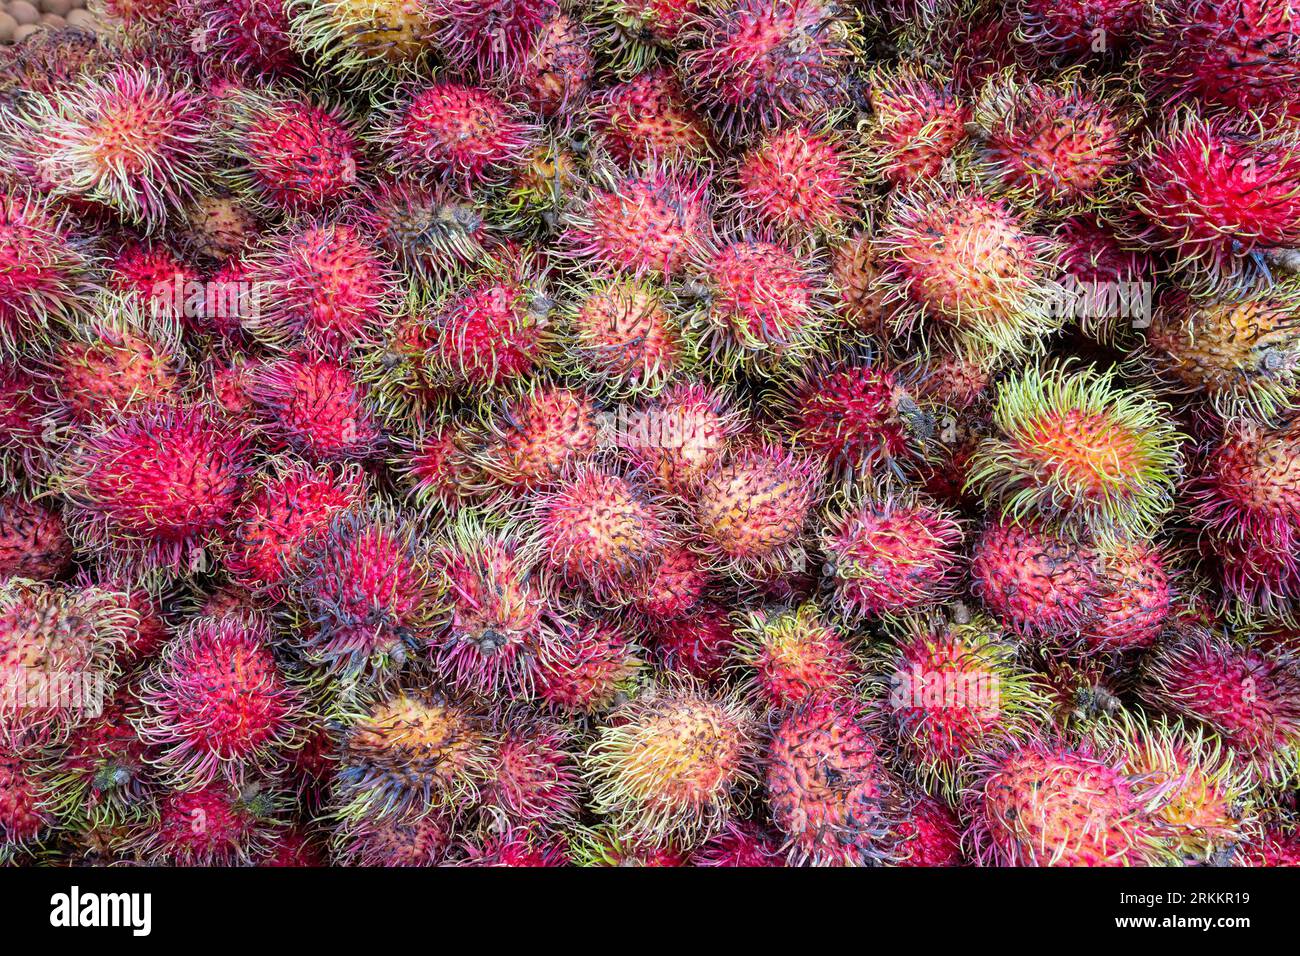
{"points": [[625, 337], [1248, 696], [1239, 351], [141, 600], [366, 40], [322, 286], [1216, 191], [1201, 806], [536, 437], [1245, 55], [115, 361], [857, 417], [798, 181], [43, 270], [695, 645], [317, 407], [892, 553], [25, 816], [534, 781], [674, 586], [1033, 581], [289, 153], [34, 543], [955, 257], [1044, 803], [681, 435], [542, 188], [31, 428], [602, 531], [463, 134], [917, 123], [955, 688], [1061, 144], [1134, 597], [649, 117], [1080, 27], [128, 139], [492, 38], [412, 752], [647, 223], [741, 844], [494, 627], [590, 667], [676, 762], [494, 330], [294, 849], [433, 232], [1072, 446], [150, 277], [931, 835], [366, 592], [605, 846], [632, 32], [556, 74], [436, 466], [514, 848], [217, 703], [288, 504], [1269, 846], [216, 825], [1107, 284], [58, 648], [757, 63], [752, 506], [828, 789], [757, 306], [411, 840], [788, 657], [856, 268], [219, 226], [252, 35], [157, 485]]}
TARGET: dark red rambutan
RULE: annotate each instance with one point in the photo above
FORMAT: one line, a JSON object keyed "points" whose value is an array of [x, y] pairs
{"points": [[160, 284], [931, 835], [288, 504], [1244, 54], [128, 138], [492, 37], [602, 532], [367, 594], [160, 484], [742, 844], [1214, 191], [757, 63], [25, 815], [798, 181], [788, 657], [251, 35], [1081, 27], [43, 271], [290, 154], [758, 306], [217, 704], [694, 645], [494, 628], [534, 778], [317, 407], [680, 435], [323, 286], [215, 825], [34, 543], [432, 231], [649, 117], [917, 123], [588, 669], [647, 223], [891, 554], [674, 586], [294, 849], [465, 134], [828, 788], [1271, 846]]}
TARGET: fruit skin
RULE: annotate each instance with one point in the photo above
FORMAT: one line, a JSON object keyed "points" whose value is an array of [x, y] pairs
{"points": [[798, 181], [535, 782], [681, 435], [955, 688], [238, 826], [740, 845], [34, 543], [828, 788], [753, 63], [649, 117], [625, 337], [157, 486], [674, 764], [534, 441], [128, 139], [253, 34], [556, 77], [409, 840], [1248, 696], [1074, 448], [492, 37], [1216, 190], [788, 657], [218, 704], [44, 270], [316, 407], [1081, 27], [1044, 803], [24, 814], [931, 836]]}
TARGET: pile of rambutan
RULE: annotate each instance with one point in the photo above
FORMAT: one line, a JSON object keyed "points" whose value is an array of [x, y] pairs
{"points": [[651, 432]]}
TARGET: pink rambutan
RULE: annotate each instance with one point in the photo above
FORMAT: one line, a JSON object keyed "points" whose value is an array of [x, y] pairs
{"points": [[43, 270], [680, 436], [413, 840], [798, 181], [917, 123], [649, 117], [235, 827], [788, 657], [160, 484], [536, 437], [1270, 846], [534, 779], [674, 586], [34, 543], [694, 645], [465, 134], [590, 667], [1134, 599], [253, 35], [436, 466], [24, 813], [217, 703], [556, 74], [155, 280], [625, 336], [492, 37], [514, 848], [317, 407], [741, 844], [1081, 27]]}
